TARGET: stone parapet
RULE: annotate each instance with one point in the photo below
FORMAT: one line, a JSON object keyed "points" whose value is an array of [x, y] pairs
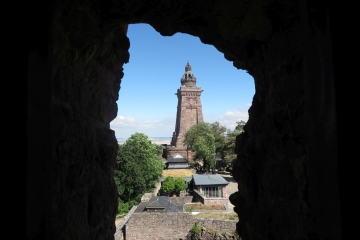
{"points": [[119, 234], [170, 225]]}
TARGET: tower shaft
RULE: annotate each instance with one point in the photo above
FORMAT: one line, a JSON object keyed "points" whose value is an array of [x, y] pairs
{"points": [[189, 112]]}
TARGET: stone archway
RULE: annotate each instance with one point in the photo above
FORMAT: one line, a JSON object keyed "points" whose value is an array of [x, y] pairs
{"points": [[287, 159]]}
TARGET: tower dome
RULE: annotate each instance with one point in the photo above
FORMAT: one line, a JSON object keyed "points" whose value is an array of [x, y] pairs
{"points": [[188, 79]]}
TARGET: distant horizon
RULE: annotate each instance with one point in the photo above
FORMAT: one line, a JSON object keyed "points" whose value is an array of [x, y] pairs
{"points": [[148, 137]]}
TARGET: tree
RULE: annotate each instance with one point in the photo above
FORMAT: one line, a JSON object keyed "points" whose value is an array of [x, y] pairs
{"points": [[138, 167], [180, 185], [168, 186], [200, 139], [219, 132], [231, 135]]}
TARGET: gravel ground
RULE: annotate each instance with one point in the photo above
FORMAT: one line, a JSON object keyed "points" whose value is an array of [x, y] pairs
{"points": [[231, 188]]}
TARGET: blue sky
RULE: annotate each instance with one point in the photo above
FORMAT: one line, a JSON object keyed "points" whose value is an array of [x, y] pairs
{"points": [[147, 101]]}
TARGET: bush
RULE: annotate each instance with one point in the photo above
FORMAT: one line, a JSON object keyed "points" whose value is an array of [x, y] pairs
{"points": [[124, 207], [179, 184], [190, 209], [196, 228], [168, 185]]}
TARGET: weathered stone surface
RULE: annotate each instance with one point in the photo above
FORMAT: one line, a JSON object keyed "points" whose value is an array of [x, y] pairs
{"points": [[287, 160], [161, 225], [211, 234]]}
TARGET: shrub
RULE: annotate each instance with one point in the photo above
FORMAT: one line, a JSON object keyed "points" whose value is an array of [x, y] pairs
{"points": [[168, 185], [190, 209], [179, 184], [196, 228], [123, 208]]}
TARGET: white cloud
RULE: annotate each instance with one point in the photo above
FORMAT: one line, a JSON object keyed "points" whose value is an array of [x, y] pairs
{"points": [[230, 118], [126, 126], [121, 121]]}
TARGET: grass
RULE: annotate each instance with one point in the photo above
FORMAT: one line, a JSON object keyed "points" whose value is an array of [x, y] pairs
{"points": [[200, 206], [218, 215], [177, 173]]}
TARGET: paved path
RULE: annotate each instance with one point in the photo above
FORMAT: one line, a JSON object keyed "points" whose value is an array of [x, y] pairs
{"points": [[231, 188]]}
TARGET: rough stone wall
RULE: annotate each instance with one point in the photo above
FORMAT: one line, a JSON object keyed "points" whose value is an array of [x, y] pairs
{"points": [[88, 59], [208, 201], [286, 167], [88, 52], [169, 225], [119, 234]]}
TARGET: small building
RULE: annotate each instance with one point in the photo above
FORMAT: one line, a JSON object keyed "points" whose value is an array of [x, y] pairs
{"points": [[210, 189], [177, 161], [219, 162], [155, 206], [163, 204]]}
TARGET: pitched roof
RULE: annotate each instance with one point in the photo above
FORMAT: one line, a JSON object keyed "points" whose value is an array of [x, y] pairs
{"points": [[178, 165], [209, 179], [177, 158], [160, 202], [156, 204]]}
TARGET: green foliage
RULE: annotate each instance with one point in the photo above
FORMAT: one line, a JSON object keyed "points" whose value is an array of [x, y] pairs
{"points": [[168, 186], [219, 132], [159, 150], [196, 228], [138, 167], [190, 209], [124, 207], [229, 150], [180, 185], [200, 139]]}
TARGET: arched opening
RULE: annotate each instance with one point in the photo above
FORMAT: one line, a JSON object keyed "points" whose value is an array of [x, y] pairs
{"points": [[287, 168], [147, 100]]}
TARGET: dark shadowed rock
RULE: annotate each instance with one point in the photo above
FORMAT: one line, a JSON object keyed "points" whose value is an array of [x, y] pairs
{"points": [[287, 162]]}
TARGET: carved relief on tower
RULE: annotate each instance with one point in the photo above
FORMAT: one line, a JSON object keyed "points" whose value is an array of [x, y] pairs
{"points": [[190, 94], [191, 100]]}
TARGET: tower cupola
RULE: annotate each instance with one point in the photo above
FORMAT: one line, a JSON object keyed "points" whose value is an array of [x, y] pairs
{"points": [[188, 79]]}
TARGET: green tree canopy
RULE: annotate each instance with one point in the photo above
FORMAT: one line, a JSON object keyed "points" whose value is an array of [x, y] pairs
{"points": [[180, 185], [168, 186], [219, 132], [138, 167], [231, 135], [200, 139]]}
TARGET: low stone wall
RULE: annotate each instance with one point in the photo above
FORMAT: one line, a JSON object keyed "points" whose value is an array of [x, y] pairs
{"points": [[169, 225], [157, 188], [119, 234], [221, 201]]}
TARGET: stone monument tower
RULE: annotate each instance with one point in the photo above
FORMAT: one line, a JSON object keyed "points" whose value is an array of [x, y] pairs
{"points": [[189, 112]]}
